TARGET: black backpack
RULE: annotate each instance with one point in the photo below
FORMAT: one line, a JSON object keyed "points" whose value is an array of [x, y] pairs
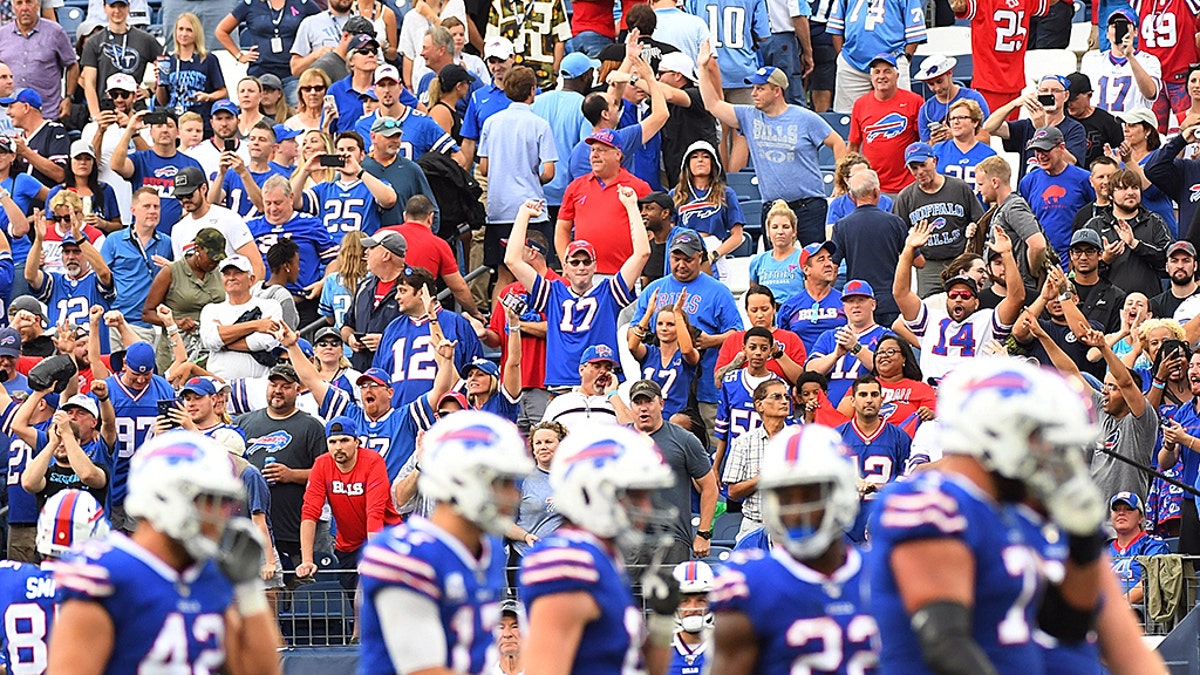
{"points": [[456, 192]]}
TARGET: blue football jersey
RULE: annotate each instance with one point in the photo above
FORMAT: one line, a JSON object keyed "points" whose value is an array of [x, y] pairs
{"points": [[848, 368], [22, 506], [419, 134], [381, 435], [502, 405], [573, 561], [407, 352], [317, 248], [952, 161], [421, 558], [581, 321], [163, 621], [803, 620], [735, 28], [881, 457], [235, 190], [136, 412], [735, 409], [27, 595], [68, 300], [1007, 580], [687, 660], [674, 377], [810, 318], [342, 207]]}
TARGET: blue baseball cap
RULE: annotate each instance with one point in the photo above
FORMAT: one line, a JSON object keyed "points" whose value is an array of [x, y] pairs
{"points": [[225, 105], [284, 133], [23, 96], [199, 386], [479, 363], [305, 346], [606, 136], [370, 93], [341, 426], [1123, 13], [597, 353], [886, 58], [768, 75], [577, 63], [1057, 78], [1131, 499], [375, 375], [917, 153], [857, 288], [139, 358]]}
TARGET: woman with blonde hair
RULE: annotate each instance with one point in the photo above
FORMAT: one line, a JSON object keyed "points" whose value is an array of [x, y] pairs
{"points": [[704, 203], [190, 79], [63, 210], [315, 143], [779, 268], [338, 290], [536, 517], [191, 131], [958, 155], [310, 106]]}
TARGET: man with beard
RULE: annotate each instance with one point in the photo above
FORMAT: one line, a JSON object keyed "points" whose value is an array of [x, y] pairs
{"points": [[1014, 216], [956, 329], [881, 448], [192, 192], [1064, 327], [1181, 440], [657, 209], [224, 120], [156, 166], [320, 34], [87, 280], [1135, 238], [1099, 299], [1181, 271], [283, 442]]}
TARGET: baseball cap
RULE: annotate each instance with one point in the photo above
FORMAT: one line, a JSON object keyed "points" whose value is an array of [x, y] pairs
{"points": [[82, 147], [326, 332], [456, 396], [498, 48], [687, 243], [387, 72], [1078, 83], [1130, 498], [1046, 138], [211, 241], [306, 348], [386, 126], [283, 133], [270, 81], [1139, 115], [1185, 246], [358, 25], [452, 74], [597, 353], [389, 239], [530, 243], [606, 136], [678, 62], [188, 180], [83, 401], [885, 58], [199, 386], [611, 52], [917, 153], [10, 341], [284, 371], [812, 249], [139, 358], [509, 607], [341, 426], [645, 389], [218, 385], [857, 288], [1061, 79], [239, 261], [29, 304], [488, 367], [378, 375], [120, 82], [362, 40], [581, 245], [768, 75], [8, 144], [660, 198], [935, 66], [225, 105], [575, 64], [116, 2], [369, 94], [961, 280], [23, 96], [1086, 237], [1122, 14]]}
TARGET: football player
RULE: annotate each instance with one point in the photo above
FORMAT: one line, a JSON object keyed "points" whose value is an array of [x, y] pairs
{"points": [[431, 588], [955, 576], [182, 593], [582, 615], [69, 518], [692, 640], [799, 606]]}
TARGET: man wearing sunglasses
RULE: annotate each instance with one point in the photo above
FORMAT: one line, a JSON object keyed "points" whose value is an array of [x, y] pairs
{"points": [[104, 133], [363, 58]]}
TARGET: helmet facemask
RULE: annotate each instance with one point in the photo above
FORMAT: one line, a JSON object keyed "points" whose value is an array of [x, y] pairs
{"points": [[202, 536], [694, 619], [645, 525], [494, 510], [802, 517]]}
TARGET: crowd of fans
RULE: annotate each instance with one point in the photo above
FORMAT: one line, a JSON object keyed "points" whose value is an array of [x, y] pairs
{"points": [[281, 262]]}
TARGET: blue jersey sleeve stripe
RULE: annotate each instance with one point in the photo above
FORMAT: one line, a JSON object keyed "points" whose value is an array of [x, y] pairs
{"points": [[540, 293], [392, 575], [88, 580], [620, 291], [926, 508], [545, 574], [918, 325]]}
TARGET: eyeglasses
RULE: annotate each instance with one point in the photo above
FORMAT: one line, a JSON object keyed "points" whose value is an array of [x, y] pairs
{"points": [[777, 396], [1076, 252], [887, 352], [960, 118], [117, 93], [312, 88], [367, 51], [580, 262], [329, 343]]}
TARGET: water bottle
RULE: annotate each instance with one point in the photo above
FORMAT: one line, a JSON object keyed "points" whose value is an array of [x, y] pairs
{"points": [[268, 462]]}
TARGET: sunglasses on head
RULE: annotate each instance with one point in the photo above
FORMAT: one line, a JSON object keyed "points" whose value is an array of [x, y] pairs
{"points": [[388, 124]]}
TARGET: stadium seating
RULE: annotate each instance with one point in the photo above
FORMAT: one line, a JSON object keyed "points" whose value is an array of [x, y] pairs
{"points": [[317, 615], [827, 178], [839, 121], [949, 40], [726, 528], [1080, 33], [745, 184], [70, 18]]}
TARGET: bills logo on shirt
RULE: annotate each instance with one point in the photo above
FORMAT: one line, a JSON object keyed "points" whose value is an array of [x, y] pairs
{"points": [[1194, 192], [1054, 193], [890, 126]]}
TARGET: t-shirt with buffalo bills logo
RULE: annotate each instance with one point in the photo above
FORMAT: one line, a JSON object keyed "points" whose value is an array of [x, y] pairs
{"points": [[949, 211], [1021, 132], [715, 219], [953, 161], [295, 442], [1175, 175], [1055, 200], [151, 170], [784, 150], [810, 318], [883, 129]]}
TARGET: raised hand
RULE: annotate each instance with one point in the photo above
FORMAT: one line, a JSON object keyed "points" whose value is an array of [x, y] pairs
{"points": [[919, 235], [627, 195], [1000, 241]]}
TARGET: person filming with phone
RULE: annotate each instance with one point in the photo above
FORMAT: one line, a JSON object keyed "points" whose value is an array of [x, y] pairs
{"points": [[1046, 108]]}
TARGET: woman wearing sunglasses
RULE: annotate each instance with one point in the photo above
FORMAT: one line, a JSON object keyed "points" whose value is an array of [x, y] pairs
{"points": [[314, 84], [900, 379], [64, 209]]}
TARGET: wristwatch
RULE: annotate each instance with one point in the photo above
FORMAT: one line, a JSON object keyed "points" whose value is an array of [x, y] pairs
{"points": [[856, 348], [705, 534]]}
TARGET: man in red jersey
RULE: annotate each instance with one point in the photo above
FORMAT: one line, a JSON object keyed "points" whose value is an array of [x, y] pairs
{"points": [[999, 33], [1170, 30], [884, 122]]}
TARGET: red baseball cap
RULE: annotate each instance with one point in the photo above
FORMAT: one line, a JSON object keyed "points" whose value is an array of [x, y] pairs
{"points": [[581, 245]]}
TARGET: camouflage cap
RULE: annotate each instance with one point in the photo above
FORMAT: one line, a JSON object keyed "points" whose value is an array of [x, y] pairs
{"points": [[211, 241]]}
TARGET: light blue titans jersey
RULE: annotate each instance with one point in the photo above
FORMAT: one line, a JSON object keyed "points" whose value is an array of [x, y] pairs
{"points": [[342, 207], [582, 320], [1007, 580], [874, 27], [734, 26], [803, 620], [573, 561], [27, 595], [163, 621], [421, 558]]}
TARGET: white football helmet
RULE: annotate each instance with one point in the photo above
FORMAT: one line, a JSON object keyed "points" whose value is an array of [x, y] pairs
{"points": [[169, 478], [1015, 418], [463, 456], [808, 455], [69, 518], [695, 577], [592, 473]]}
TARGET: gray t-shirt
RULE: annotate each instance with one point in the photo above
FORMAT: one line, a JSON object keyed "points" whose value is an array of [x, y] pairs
{"points": [[1133, 438], [688, 461], [295, 442], [536, 515], [949, 211], [1019, 223]]}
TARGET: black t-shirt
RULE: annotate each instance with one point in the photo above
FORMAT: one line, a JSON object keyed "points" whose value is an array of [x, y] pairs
{"points": [[653, 268], [685, 126], [1071, 346], [59, 478], [295, 442], [1164, 304], [50, 141], [1101, 127]]}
